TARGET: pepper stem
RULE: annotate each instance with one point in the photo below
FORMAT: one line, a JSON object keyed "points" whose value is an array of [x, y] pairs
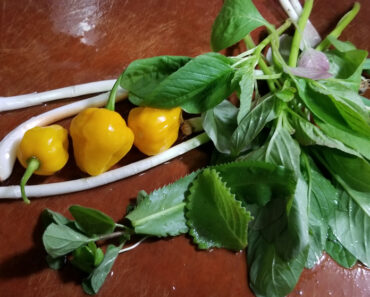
{"points": [[112, 95], [32, 165]]}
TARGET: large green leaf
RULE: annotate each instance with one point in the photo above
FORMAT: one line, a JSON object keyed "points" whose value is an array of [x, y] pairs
{"points": [[214, 216], [352, 172], [161, 213], [142, 76], [307, 133], [92, 221], [60, 240], [252, 124], [197, 86], [269, 274], [351, 226], [219, 123], [236, 19]]}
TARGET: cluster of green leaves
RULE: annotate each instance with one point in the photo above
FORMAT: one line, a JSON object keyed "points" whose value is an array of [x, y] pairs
{"points": [[296, 180], [75, 241]]}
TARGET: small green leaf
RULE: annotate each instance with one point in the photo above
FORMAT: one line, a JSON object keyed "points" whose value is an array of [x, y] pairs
{"points": [[236, 19], [56, 263], [48, 216], [60, 240], [93, 283], [87, 257], [342, 46], [219, 123], [92, 221], [215, 218], [161, 213]]}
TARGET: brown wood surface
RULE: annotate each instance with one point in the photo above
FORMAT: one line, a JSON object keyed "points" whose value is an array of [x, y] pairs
{"points": [[46, 44]]}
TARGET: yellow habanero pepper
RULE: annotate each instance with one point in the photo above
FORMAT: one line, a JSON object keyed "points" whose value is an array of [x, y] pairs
{"points": [[43, 151], [100, 139], [155, 129]]}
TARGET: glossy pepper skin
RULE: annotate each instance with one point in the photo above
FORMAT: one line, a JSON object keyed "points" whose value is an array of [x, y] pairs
{"points": [[155, 129], [49, 145], [100, 139]]}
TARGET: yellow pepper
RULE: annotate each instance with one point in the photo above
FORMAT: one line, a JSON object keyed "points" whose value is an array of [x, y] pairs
{"points": [[43, 151], [100, 139], [155, 129]]}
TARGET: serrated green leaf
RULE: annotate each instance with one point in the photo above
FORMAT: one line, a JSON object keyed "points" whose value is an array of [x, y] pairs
{"points": [[161, 213], [60, 240], [92, 221], [236, 19], [214, 217]]}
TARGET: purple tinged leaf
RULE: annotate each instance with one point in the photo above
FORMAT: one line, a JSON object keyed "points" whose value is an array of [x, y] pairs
{"points": [[312, 64]]}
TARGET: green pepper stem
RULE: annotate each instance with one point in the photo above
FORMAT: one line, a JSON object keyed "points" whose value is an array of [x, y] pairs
{"points": [[112, 95], [342, 24], [32, 165], [299, 33]]}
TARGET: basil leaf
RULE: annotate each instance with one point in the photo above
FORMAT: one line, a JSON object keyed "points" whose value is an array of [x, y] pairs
{"points": [[161, 213], [352, 172], [60, 240], [215, 218], [347, 66], [348, 137], [245, 77], [92, 221], [197, 86], [338, 252], [219, 123], [348, 103], [93, 283], [342, 46], [269, 274], [323, 200], [347, 215], [309, 134], [252, 124], [236, 19], [142, 76]]}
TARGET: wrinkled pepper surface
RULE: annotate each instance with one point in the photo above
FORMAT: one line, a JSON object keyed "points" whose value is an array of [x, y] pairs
{"points": [[100, 139], [155, 129], [43, 151]]}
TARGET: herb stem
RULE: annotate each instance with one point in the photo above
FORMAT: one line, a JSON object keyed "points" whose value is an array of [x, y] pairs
{"points": [[266, 70], [342, 24], [133, 246], [111, 235], [112, 95], [299, 33]]}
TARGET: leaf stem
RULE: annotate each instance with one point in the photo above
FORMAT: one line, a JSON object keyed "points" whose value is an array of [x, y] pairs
{"points": [[133, 246], [266, 70], [111, 235], [342, 24], [299, 33]]}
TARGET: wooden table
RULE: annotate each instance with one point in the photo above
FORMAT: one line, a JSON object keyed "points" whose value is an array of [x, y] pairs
{"points": [[47, 44]]}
